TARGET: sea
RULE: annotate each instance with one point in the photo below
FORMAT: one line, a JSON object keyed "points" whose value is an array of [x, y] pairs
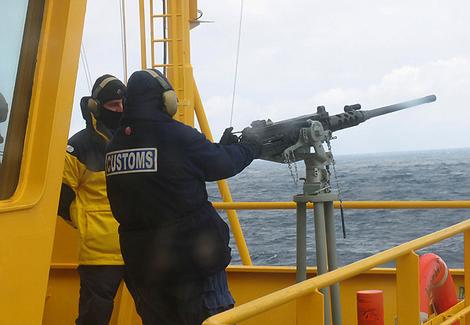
{"points": [[422, 175]]}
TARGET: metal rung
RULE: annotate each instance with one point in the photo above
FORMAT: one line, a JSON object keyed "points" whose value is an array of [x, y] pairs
{"points": [[165, 40], [161, 15], [165, 15], [163, 65]]}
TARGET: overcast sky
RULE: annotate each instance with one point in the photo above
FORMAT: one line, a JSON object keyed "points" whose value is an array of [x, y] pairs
{"points": [[296, 55]]}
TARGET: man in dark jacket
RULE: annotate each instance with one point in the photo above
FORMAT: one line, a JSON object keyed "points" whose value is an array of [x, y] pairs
{"points": [[174, 244]]}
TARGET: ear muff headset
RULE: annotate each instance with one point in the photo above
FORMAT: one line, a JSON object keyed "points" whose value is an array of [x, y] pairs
{"points": [[170, 101], [93, 102]]}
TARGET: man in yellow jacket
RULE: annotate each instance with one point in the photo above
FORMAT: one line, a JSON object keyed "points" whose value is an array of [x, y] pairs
{"points": [[84, 202]]}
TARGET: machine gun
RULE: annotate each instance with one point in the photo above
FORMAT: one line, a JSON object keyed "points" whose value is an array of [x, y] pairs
{"points": [[289, 140], [292, 140]]}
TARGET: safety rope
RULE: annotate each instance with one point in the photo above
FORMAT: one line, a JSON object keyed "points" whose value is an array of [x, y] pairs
{"points": [[123, 39], [85, 67], [236, 61]]}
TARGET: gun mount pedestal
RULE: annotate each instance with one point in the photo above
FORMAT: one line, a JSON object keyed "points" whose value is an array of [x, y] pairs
{"points": [[316, 189]]}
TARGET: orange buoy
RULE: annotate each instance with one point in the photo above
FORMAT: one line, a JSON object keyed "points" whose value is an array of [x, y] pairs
{"points": [[370, 307], [435, 285]]}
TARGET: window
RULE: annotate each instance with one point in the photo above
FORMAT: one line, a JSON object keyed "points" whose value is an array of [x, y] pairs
{"points": [[19, 38]]}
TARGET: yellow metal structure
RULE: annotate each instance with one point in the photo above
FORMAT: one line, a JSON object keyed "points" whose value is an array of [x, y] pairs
{"points": [[407, 292], [347, 205], [249, 283], [408, 288], [35, 244], [27, 219]]}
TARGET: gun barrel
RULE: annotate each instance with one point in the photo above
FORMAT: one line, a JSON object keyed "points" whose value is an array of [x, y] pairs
{"points": [[277, 137], [396, 107]]}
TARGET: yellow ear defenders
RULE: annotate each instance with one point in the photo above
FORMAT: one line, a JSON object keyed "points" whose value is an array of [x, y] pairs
{"points": [[93, 102], [170, 101]]}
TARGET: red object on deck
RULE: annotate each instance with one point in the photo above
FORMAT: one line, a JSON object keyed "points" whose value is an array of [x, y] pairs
{"points": [[435, 285], [370, 307]]}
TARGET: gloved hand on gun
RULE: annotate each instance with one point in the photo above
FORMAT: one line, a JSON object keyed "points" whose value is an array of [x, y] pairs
{"points": [[253, 142], [228, 137]]}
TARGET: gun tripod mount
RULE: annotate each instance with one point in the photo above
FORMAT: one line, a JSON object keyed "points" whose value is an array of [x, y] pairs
{"points": [[317, 189]]}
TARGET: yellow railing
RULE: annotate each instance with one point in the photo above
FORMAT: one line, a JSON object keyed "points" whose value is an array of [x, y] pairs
{"points": [[346, 205], [459, 315], [309, 300]]}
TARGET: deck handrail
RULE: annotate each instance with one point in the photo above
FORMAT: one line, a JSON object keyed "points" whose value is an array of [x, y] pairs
{"points": [[280, 297], [288, 205]]}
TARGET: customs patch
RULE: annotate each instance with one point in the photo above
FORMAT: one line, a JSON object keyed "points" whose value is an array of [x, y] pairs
{"points": [[140, 160]]}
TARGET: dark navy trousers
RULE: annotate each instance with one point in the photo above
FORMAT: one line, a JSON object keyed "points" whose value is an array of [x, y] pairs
{"points": [[98, 287], [183, 302]]}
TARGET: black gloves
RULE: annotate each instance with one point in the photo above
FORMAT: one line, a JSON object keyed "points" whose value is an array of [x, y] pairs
{"points": [[252, 141], [228, 137]]}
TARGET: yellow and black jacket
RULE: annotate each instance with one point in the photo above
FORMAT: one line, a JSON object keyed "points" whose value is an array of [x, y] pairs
{"points": [[83, 199]]}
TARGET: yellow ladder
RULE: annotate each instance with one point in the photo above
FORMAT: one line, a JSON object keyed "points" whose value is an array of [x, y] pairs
{"points": [[174, 18]]}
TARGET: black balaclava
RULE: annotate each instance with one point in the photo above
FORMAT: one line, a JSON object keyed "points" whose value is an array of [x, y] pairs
{"points": [[114, 89], [110, 119]]}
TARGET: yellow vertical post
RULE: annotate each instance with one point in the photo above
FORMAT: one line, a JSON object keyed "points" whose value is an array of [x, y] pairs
{"points": [[192, 10], [223, 186], [143, 40], [310, 309], [408, 289], [466, 266], [180, 72]]}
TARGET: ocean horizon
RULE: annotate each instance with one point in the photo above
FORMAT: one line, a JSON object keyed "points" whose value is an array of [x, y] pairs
{"points": [[399, 176]]}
